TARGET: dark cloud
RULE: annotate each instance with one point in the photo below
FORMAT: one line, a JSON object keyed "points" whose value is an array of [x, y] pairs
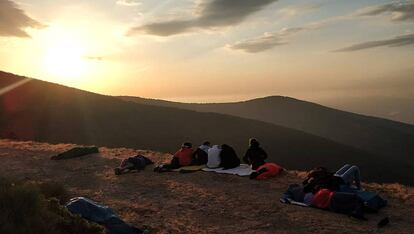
{"points": [[210, 14], [400, 11], [403, 40], [267, 40], [13, 20]]}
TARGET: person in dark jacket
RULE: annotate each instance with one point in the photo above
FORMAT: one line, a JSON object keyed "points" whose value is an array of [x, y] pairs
{"points": [[138, 162], [200, 155], [255, 155], [229, 158]]}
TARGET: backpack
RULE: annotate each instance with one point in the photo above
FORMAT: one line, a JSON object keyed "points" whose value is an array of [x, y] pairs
{"points": [[372, 201], [347, 203]]}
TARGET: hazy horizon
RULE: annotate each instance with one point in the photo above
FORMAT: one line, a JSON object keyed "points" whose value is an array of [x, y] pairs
{"points": [[213, 50]]}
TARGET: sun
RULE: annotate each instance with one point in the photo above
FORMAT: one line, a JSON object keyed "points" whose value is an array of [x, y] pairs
{"points": [[64, 59]]}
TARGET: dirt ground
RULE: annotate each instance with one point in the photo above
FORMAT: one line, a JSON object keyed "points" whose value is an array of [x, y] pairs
{"points": [[200, 202]]}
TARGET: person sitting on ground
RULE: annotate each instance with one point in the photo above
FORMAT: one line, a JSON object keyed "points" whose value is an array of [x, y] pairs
{"points": [[183, 157], [266, 171], [349, 174], [138, 162], [214, 157], [228, 157], [255, 155], [200, 155]]}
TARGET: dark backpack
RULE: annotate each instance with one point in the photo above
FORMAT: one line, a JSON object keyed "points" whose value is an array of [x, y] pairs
{"points": [[200, 157], [372, 201], [347, 203]]}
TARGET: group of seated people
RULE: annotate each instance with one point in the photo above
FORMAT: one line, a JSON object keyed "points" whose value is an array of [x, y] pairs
{"points": [[222, 156]]}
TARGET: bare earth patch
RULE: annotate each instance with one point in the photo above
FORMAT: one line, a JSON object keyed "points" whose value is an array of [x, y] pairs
{"points": [[199, 202]]}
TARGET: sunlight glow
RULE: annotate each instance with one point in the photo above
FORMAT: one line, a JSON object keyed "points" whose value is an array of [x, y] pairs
{"points": [[65, 59]]}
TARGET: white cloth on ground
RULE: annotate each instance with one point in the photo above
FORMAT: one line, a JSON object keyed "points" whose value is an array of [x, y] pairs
{"points": [[242, 170]]}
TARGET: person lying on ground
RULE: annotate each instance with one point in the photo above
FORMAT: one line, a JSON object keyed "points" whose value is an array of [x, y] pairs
{"points": [[349, 174], [342, 180], [228, 157], [214, 157], [266, 171], [200, 155], [183, 157], [138, 162], [255, 155], [340, 202]]}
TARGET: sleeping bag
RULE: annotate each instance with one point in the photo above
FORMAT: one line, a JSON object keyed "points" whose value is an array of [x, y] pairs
{"points": [[268, 170], [100, 214]]}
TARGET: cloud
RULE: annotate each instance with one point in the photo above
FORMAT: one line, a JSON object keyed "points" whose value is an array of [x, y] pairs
{"points": [[268, 40], [210, 14], [397, 41], [13, 20], [128, 2], [296, 10], [95, 58], [400, 11]]}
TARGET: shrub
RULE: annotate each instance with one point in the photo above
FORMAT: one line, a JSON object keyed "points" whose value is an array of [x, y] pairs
{"points": [[25, 209]]}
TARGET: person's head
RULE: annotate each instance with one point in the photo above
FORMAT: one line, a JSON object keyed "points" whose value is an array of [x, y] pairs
{"points": [[225, 146], [253, 142], [207, 143], [187, 145]]}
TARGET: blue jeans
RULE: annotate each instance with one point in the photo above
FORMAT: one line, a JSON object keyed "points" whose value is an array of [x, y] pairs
{"points": [[349, 174]]}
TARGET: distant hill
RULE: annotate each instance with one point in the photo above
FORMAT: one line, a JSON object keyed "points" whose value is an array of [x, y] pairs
{"points": [[386, 138], [48, 112], [394, 108]]}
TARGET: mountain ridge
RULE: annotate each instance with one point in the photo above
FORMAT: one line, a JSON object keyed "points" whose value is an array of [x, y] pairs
{"points": [[376, 135], [47, 112]]}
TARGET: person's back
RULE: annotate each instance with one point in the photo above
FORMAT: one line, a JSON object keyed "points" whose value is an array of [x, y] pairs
{"points": [[184, 155], [200, 155], [205, 146], [255, 155], [229, 158], [214, 157]]}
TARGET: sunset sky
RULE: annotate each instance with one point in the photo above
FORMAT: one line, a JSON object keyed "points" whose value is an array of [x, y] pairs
{"points": [[213, 50]]}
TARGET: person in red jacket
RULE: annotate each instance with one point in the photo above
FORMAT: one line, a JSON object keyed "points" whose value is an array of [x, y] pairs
{"points": [[184, 155], [266, 171], [322, 199]]}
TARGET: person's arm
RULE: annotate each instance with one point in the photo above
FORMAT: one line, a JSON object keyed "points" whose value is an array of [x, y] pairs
{"points": [[253, 175], [176, 154]]}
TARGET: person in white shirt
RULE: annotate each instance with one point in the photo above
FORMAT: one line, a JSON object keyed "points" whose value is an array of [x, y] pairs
{"points": [[214, 157]]}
